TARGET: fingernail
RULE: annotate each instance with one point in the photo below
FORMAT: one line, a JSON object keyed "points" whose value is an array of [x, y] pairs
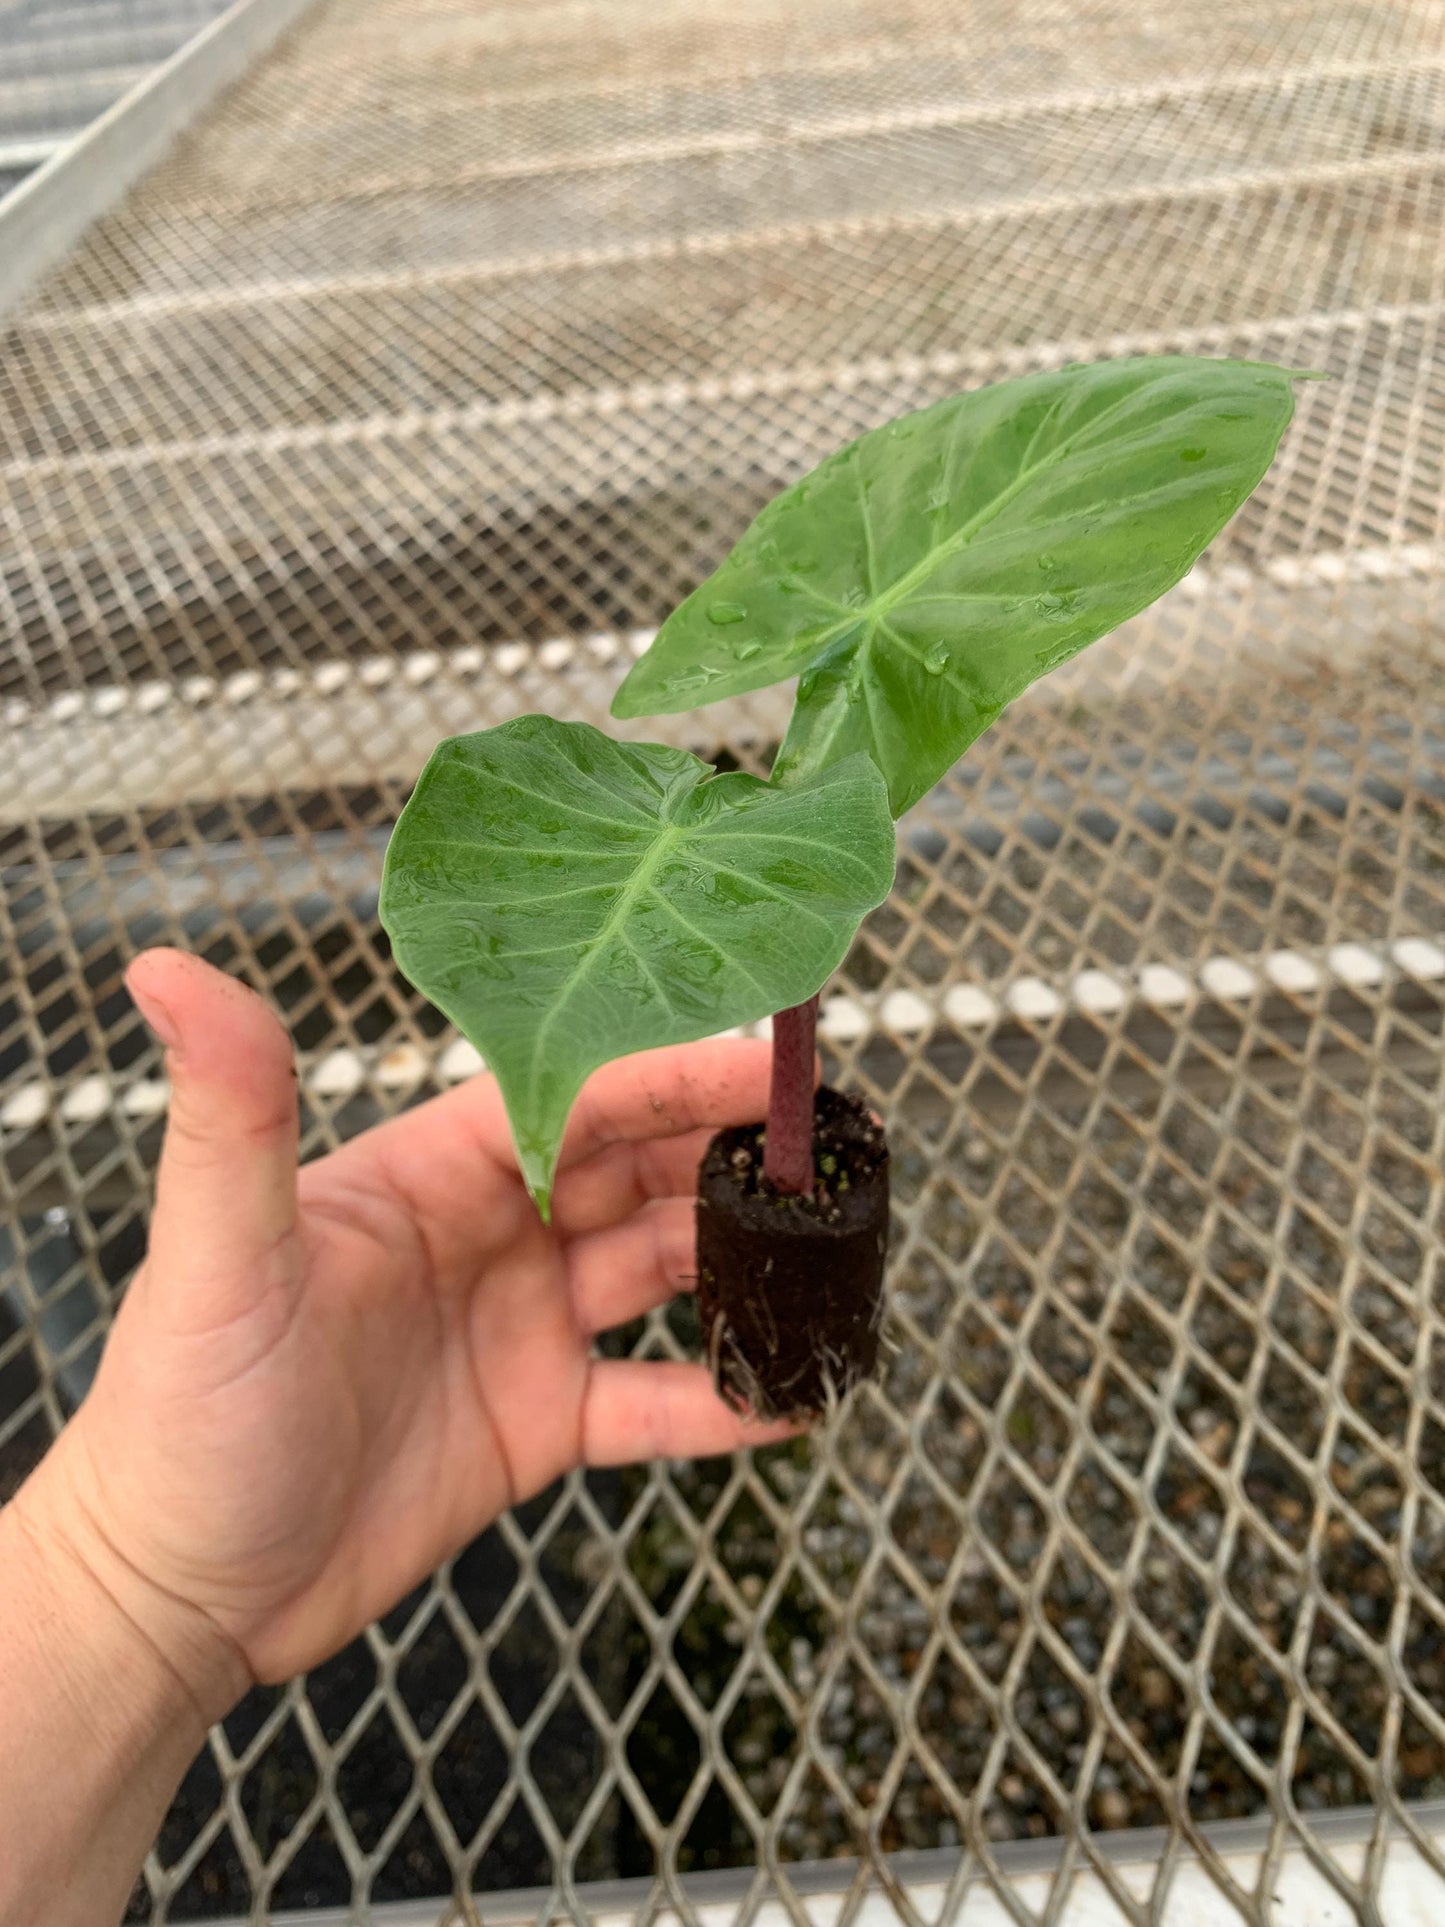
{"points": [[156, 1015]]}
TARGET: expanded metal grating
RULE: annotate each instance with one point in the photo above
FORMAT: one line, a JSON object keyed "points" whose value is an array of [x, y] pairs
{"points": [[409, 393]]}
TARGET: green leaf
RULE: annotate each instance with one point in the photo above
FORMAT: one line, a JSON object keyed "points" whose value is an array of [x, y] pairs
{"points": [[566, 899], [921, 578]]}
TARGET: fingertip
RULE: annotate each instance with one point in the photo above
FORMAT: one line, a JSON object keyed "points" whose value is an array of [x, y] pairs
{"points": [[638, 1410], [211, 1019], [164, 969], [668, 1092], [145, 978], [143, 966], [777, 1431], [688, 1085], [168, 981], [751, 1434]]}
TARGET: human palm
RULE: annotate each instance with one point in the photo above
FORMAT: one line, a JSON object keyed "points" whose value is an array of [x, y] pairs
{"points": [[344, 1376]]}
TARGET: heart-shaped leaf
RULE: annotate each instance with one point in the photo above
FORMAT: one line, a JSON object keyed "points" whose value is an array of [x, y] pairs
{"points": [[566, 899], [921, 578]]}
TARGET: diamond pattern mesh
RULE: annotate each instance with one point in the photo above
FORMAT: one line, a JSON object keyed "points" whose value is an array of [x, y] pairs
{"points": [[409, 393]]}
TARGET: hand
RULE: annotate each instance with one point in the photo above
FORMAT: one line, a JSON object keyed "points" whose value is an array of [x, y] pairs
{"points": [[320, 1385]]}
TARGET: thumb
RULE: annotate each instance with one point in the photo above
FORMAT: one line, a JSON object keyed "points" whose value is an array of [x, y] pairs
{"points": [[226, 1189]]}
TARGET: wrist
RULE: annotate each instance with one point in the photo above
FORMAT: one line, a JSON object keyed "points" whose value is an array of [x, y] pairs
{"points": [[144, 1654], [104, 1703]]}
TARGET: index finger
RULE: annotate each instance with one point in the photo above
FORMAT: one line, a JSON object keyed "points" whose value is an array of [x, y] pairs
{"points": [[431, 1154], [669, 1092]]}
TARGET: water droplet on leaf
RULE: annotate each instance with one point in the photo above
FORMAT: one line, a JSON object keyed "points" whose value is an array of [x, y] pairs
{"points": [[723, 613], [1046, 561], [745, 651], [1192, 454], [936, 661]]}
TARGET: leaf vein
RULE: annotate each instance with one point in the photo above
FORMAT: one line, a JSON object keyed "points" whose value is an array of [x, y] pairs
{"points": [[870, 565], [639, 823], [778, 896], [712, 944], [615, 919], [811, 844], [991, 510]]}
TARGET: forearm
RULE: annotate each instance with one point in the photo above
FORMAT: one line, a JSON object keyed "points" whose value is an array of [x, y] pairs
{"points": [[98, 1723]]}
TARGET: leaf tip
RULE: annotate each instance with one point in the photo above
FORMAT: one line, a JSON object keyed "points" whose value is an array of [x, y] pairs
{"points": [[538, 1175], [537, 1162]]}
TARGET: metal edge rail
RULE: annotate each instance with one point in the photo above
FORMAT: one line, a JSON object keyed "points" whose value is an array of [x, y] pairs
{"points": [[1301, 1893], [46, 215]]}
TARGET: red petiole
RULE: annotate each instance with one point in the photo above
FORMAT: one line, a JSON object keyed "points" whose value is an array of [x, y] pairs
{"points": [[788, 1144]]}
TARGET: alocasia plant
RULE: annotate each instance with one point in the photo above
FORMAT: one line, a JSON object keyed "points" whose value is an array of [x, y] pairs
{"points": [[565, 898]]}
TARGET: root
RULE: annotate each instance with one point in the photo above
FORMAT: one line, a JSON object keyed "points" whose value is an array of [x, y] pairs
{"points": [[738, 1384]]}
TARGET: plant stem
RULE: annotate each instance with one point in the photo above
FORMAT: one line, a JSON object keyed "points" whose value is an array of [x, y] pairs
{"points": [[788, 1143]]}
